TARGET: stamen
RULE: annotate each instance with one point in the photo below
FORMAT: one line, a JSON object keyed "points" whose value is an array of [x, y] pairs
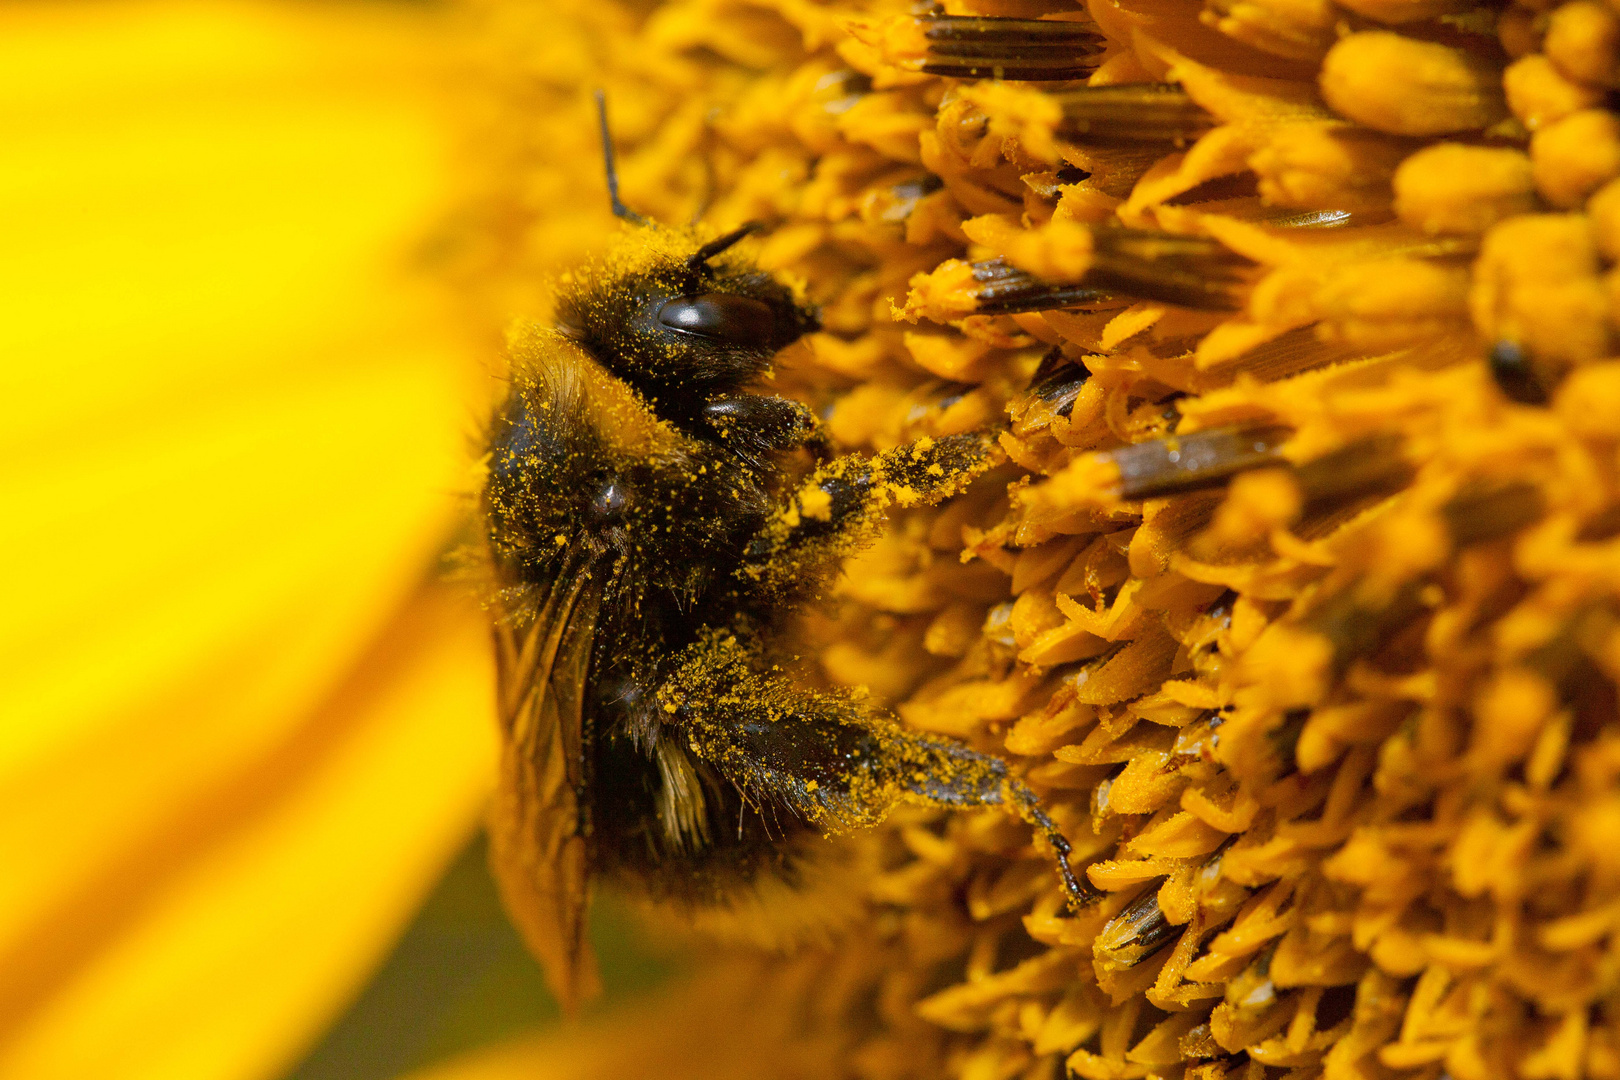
{"points": [[1566, 660], [1136, 933], [897, 202], [1159, 467], [1006, 290], [1120, 265], [1477, 515], [1368, 467], [1292, 353], [1284, 739], [1192, 271], [1058, 382], [1132, 112], [1126, 264], [1027, 50], [1356, 628]]}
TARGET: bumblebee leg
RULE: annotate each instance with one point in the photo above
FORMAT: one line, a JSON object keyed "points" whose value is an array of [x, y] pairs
{"points": [[920, 473], [837, 509], [826, 759], [755, 425], [938, 771]]}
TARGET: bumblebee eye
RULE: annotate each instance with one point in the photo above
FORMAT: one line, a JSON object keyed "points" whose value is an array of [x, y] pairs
{"points": [[721, 316]]}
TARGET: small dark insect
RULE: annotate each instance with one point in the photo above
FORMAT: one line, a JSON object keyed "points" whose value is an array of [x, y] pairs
{"points": [[650, 542]]}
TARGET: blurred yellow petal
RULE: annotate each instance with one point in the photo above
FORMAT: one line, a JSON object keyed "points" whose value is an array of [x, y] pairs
{"points": [[232, 425], [691, 1031], [302, 869], [194, 261]]}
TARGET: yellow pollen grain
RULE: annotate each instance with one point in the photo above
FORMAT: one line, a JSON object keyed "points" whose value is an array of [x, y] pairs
{"points": [[815, 503]]}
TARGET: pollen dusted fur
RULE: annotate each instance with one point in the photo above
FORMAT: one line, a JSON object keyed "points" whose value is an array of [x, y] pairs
{"points": [[654, 527]]}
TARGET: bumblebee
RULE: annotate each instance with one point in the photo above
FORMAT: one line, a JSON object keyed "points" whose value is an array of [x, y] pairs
{"points": [[650, 545]]}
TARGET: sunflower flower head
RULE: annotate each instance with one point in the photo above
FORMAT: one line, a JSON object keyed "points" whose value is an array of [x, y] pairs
{"points": [[1298, 600]]}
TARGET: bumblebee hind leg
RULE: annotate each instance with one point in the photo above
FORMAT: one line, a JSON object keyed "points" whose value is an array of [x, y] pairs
{"points": [[826, 759]]}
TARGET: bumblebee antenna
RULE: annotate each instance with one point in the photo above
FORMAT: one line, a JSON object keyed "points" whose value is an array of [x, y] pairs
{"points": [[619, 209], [699, 261]]}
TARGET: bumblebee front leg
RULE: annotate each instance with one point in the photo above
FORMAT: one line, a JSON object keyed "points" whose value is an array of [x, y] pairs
{"points": [[837, 509], [754, 425], [826, 759]]}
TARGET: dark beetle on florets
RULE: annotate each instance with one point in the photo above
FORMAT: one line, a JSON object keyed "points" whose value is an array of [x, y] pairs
{"points": [[649, 544]]}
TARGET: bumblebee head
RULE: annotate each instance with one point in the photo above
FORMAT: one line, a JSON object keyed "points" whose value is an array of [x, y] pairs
{"points": [[673, 321], [678, 317]]}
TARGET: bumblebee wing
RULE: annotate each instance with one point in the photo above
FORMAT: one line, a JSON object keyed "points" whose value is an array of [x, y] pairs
{"points": [[537, 841]]}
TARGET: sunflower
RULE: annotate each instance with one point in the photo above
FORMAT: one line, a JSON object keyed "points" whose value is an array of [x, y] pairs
{"points": [[1296, 598]]}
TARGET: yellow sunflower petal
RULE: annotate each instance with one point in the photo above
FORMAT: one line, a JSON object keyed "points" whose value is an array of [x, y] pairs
{"points": [[232, 427], [290, 884], [688, 1032]]}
